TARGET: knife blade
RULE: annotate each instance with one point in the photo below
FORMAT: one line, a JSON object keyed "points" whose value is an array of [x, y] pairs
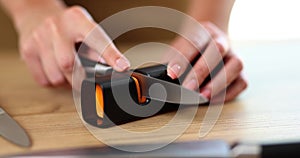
{"points": [[161, 90], [12, 131]]}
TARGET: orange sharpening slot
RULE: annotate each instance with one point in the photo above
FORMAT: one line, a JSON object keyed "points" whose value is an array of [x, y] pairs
{"points": [[141, 98], [99, 101]]}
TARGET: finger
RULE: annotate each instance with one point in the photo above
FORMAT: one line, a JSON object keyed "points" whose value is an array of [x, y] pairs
{"points": [[188, 51], [231, 70], [206, 64], [33, 63], [35, 67], [219, 37], [46, 52], [64, 52], [211, 57], [50, 66], [97, 39], [238, 86], [180, 56]]}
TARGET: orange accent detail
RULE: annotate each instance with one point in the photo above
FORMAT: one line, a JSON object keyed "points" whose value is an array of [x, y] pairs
{"points": [[99, 101], [141, 98]]}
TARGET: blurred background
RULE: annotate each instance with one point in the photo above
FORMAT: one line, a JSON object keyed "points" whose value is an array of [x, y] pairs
{"points": [[267, 20], [8, 35], [254, 20], [100, 11]]}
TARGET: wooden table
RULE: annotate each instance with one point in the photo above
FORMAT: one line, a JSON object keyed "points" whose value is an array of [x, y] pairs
{"points": [[268, 110]]}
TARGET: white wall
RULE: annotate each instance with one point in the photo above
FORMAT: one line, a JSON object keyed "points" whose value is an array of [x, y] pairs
{"points": [[265, 20]]}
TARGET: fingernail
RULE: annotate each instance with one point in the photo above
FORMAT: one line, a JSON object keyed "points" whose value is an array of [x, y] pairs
{"points": [[122, 64], [174, 71], [192, 84], [206, 93]]}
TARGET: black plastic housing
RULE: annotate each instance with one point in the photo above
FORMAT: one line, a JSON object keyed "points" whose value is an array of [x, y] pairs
{"points": [[113, 114]]}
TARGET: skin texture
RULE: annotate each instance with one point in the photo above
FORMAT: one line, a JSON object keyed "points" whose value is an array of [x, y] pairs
{"points": [[46, 44]]}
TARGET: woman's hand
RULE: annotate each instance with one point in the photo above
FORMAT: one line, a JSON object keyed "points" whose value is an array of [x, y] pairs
{"points": [[47, 44], [234, 82]]}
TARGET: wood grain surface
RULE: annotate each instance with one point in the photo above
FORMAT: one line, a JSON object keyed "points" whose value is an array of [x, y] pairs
{"points": [[268, 110]]}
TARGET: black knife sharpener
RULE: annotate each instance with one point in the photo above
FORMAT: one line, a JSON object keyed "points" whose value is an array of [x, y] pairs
{"points": [[99, 106]]}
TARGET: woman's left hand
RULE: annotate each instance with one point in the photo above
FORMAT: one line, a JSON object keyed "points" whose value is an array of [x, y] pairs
{"points": [[234, 82]]}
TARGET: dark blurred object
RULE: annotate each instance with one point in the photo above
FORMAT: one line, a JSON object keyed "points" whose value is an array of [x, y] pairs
{"points": [[195, 149], [211, 149]]}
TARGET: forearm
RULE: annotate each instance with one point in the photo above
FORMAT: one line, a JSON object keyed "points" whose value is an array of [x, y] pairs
{"points": [[215, 11], [31, 12]]}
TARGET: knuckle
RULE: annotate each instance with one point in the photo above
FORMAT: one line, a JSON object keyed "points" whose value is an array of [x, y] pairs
{"points": [[229, 98], [26, 49], [66, 64], [51, 24], [76, 16], [209, 26], [42, 82], [75, 12], [202, 71], [38, 42], [36, 37], [244, 84], [214, 30], [238, 64], [58, 81]]}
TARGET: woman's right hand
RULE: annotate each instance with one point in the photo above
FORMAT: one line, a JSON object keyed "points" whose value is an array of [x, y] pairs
{"points": [[48, 47]]}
